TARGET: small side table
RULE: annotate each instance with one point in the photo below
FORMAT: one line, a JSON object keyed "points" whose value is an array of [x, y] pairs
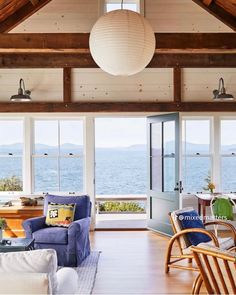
{"points": [[17, 244]]}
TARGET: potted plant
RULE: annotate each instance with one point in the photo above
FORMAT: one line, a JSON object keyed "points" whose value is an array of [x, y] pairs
{"points": [[210, 185], [3, 225]]}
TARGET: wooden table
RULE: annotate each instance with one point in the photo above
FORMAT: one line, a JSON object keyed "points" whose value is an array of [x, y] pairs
{"points": [[204, 200], [15, 215]]}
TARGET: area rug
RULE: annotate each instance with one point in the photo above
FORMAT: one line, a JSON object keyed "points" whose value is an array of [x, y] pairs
{"points": [[87, 273]]}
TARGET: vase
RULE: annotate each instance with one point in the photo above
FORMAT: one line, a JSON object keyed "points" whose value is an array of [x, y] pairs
{"points": [[0, 234]]}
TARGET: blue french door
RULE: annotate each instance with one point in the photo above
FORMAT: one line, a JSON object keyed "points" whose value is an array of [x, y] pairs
{"points": [[164, 186]]}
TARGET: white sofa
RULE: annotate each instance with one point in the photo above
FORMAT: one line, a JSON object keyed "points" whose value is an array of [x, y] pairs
{"points": [[35, 272]]}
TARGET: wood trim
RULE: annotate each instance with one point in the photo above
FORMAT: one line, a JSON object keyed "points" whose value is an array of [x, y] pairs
{"points": [[67, 85], [219, 12], [22, 14], [111, 107], [177, 84]]}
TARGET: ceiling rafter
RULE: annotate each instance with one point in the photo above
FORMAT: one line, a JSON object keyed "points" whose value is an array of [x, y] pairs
{"points": [[21, 14], [221, 10]]}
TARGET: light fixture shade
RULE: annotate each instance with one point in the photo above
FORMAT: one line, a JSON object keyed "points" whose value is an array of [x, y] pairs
{"points": [[122, 42]]}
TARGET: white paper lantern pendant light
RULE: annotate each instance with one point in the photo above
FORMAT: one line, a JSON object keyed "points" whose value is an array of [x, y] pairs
{"points": [[122, 42]]}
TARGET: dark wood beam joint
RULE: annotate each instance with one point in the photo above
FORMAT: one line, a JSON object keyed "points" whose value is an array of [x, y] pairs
{"points": [[177, 82], [67, 85]]}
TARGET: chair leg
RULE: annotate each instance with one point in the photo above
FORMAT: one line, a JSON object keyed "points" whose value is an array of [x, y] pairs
{"points": [[168, 256], [197, 285]]}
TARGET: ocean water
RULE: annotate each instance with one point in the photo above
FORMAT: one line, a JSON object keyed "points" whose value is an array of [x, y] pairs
{"points": [[118, 171]]}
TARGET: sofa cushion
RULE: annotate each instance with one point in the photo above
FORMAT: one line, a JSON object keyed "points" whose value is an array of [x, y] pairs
{"points": [[37, 261], [51, 235], [15, 283]]}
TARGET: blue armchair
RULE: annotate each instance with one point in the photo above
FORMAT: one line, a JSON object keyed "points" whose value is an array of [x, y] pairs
{"points": [[71, 244]]}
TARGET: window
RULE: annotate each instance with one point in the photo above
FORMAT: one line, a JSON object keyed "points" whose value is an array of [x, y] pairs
{"points": [[11, 152], [116, 4], [228, 155], [196, 164], [58, 156]]}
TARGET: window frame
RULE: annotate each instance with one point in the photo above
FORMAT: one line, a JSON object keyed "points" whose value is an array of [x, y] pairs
{"points": [[57, 156], [140, 5], [209, 155]]}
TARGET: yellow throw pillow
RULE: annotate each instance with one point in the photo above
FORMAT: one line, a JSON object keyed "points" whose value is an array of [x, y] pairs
{"points": [[60, 214]]}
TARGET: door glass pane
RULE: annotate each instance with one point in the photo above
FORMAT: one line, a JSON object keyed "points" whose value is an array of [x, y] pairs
{"points": [[169, 156], [228, 168], [156, 159], [46, 174], [169, 174], [195, 171], [71, 137], [169, 138], [71, 174], [46, 137]]}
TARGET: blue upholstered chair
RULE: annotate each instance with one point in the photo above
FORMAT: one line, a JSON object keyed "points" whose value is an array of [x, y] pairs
{"points": [[71, 244]]}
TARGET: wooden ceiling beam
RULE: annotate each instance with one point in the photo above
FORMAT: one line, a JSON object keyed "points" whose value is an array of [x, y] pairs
{"points": [[72, 50], [74, 42], [111, 107], [22, 14], [71, 60], [219, 12]]}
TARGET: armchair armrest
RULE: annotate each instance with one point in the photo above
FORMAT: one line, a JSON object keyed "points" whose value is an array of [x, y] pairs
{"points": [[33, 224], [78, 240], [194, 230], [79, 226], [225, 224]]}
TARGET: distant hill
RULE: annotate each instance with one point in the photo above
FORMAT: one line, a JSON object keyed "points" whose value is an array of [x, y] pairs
{"points": [[190, 147]]}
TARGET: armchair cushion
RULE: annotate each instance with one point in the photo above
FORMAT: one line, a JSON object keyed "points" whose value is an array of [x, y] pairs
{"points": [[191, 219], [225, 244], [51, 235]]}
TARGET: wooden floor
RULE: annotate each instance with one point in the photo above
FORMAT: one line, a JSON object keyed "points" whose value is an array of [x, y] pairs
{"points": [[132, 262]]}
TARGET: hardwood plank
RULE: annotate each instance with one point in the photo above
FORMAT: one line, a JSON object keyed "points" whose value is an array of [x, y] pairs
{"points": [[111, 107], [177, 84], [20, 15], [220, 13], [132, 262], [67, 84]]}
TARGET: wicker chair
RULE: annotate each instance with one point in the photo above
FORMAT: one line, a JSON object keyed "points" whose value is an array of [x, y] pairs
{"points": [[184, 247], [217, 270]]}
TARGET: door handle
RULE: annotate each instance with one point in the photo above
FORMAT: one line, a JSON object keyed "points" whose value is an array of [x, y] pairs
{"points": [[178, 187]]}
